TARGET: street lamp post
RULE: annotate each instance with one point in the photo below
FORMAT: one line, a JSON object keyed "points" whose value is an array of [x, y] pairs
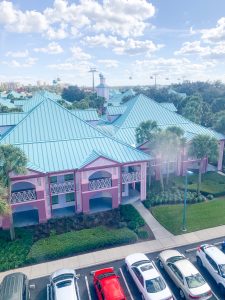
{"points": [[184, 223]]}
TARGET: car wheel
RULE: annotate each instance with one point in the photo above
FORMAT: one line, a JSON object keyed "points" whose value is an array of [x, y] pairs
{"points": [[199, 262], [161, 265], [222, 289], [181, 294]]}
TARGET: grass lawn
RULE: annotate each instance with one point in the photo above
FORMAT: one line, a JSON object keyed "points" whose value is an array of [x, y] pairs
{"points": [[212, 183], [199, 216]]}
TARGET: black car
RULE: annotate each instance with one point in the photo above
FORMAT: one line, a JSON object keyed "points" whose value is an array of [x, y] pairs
{"points": [[15, 287]]}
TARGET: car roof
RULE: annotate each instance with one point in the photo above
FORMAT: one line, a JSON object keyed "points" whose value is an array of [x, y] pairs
{"points": [[215, 253], [112, 288], [66, 293], [12, 286], [63, 271], [186, 267]]}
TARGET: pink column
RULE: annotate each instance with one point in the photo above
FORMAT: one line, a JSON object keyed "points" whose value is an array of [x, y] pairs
{"points": [[6, 222], [85, 203], [115, 200], [41, 211], [143, 180], [220, 159]]}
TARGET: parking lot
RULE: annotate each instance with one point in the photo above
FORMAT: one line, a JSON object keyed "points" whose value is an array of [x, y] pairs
{"points": [[86, 287]]}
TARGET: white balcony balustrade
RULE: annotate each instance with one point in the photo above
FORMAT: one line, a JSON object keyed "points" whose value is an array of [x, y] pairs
{"points": [[131, 177], [98, 184], [23, 196], [62, 188]]}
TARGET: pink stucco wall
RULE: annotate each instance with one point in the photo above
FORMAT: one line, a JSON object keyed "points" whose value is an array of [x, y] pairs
{"points": [[220, 158]]}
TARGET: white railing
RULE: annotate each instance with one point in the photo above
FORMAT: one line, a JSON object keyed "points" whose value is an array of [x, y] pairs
{"points": [[62, 188], [98, 184], [131, 177], [23, 196]]}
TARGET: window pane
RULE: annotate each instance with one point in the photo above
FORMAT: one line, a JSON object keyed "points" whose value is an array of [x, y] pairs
{"points": [[68, 177], [55, 199], [53, 179], [69, 197]]}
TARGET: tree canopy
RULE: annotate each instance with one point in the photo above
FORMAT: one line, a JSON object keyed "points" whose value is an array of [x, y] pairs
{"points": [[73, 93]]}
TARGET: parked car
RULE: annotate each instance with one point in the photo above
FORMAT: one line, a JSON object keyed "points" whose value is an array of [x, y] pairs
{"points": [[15, 287], [213, 259], [63, 285], [107, 285], [184, 274], [147, 278]]}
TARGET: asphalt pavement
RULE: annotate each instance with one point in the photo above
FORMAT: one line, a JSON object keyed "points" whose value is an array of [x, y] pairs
{"points": [[86, 287]]}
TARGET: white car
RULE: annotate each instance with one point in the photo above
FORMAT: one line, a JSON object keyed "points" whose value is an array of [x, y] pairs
{"points": [[213, 259], [147, 278], [186, 277], [63, 285]]}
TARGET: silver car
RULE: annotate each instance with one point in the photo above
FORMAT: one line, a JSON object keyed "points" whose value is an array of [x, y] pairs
{"points": [[63, 285], [186, 277]]}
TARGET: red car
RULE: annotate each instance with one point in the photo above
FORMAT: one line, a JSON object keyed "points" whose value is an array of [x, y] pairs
{"points": [[107, 285]]}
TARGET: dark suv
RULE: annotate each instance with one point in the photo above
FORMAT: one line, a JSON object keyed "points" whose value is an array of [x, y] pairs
{"points": [[15, 287]]}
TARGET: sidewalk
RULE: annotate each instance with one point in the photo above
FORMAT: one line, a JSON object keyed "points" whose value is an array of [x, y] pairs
{"points": [[158, 230], [109, 255]]}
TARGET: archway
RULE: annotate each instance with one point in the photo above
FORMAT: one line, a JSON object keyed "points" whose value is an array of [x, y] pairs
{"points": [[101, 201], [25, 215]]}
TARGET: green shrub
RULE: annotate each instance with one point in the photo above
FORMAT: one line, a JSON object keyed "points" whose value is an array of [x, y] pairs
{"points": [[74, 242], [13, 253], [143, 234], [210, 197], [129, 213], [147, 203]]}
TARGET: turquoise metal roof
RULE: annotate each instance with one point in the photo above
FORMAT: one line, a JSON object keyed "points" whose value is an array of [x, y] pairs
{"points": [[20, 102], [6, 102], [15, 94], [169, 106], [142, 108], [116, 110], [86, 114], [117, 99], [7, 119], [54, 139]]}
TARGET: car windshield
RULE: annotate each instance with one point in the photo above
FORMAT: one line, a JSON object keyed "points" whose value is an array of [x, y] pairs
{"points": [[155, 285], [195, 281], [222, 270], [175, 258], [63, 284], [139, 263], [62, 277]]}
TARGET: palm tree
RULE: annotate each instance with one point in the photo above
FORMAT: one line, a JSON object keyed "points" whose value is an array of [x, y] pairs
{"points": [[12, 160], [144, 133], [203, 146]]}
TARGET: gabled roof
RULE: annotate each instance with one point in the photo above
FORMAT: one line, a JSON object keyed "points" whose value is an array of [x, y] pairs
{"points": [[11, 118], [6, 102], [169, 106], [141, 108], [117, 99], [116, 110], [54, 139], [86, 114]]}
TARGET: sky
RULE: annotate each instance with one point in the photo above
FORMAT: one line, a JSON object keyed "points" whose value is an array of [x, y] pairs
{"points": [[130, 41]]}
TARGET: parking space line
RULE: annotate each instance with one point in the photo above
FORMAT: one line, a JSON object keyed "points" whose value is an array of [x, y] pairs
{"points": [[215, 296], [163, 278], [126, 284], [88, 289], [78, 290]]}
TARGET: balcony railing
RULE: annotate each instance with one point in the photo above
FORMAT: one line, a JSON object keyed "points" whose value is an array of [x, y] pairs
{"points": [[98, 184], [62, 188], [23, 196], [131, 177]]}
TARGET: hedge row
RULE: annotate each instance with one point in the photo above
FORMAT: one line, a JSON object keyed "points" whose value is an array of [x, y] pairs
{"points": [[13, 253], [131, 216], [73, 242]]}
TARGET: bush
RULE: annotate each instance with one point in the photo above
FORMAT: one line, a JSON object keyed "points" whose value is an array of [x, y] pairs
{"points": [[130, 215], [143, 234], [147, 203], [13, 253], [210, 197], [74, 242]]}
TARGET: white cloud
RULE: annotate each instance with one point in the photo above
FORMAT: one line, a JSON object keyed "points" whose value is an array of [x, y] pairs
{"points": [[80, 68], [19, 21], [29, 62], [104, 41], [121, 17], [192, 48], [215, 34], [79, 54], [52, 48], [18, 54], [134, 47], [109, 63]]}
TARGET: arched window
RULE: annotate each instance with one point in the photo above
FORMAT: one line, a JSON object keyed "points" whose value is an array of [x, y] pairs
{"points": [[22, 186], [100, 175]]}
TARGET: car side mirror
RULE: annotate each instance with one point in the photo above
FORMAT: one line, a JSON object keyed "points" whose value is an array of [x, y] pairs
{"points": [[32, 286], [77, 276]]}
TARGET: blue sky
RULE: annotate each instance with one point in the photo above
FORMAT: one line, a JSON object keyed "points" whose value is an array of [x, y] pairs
{"points": [[123, 39]]}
